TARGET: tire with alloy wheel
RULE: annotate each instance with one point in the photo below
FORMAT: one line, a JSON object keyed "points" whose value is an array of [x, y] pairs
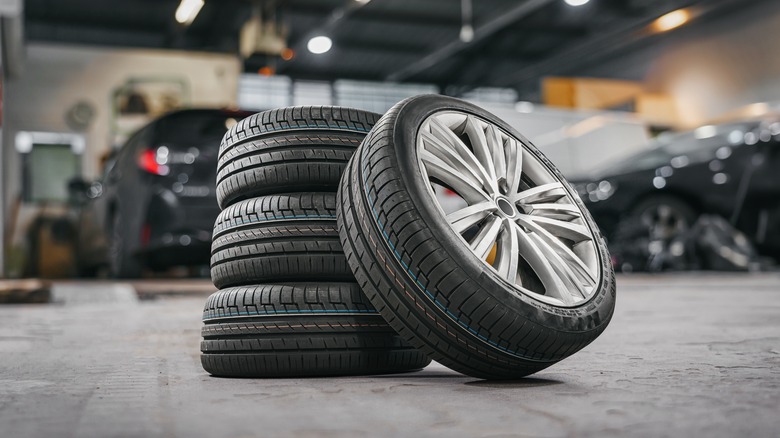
{"points": [[291, 237], [296, 149], [300, 329], [470, 243]]}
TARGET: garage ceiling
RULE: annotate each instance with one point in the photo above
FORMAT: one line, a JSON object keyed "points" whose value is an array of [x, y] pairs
{"points": [[515, 43]]}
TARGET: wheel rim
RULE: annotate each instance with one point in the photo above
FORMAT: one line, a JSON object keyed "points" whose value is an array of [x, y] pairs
{"points": [[664, 222], [508, 208]]}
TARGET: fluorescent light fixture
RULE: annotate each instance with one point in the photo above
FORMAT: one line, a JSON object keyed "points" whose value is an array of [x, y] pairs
{"points": [[187, 11], [25, 140], [319, 45], [672, 20], [576, 2]]}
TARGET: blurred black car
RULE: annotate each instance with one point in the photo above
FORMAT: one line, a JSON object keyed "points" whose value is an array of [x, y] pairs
{"points": [[653, 198], [155, 205]]}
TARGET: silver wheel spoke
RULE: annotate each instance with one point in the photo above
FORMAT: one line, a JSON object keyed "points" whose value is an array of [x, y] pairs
{"points": [[514, 164], [568, 230], [456, 145], [537, 239], [555, 211], [508, 252], [538, 259], [544, 193], [496, 148], [557, 246], [481, 150], [484, 240], [465, 218], [468, 188], [567, 278], [460, 160]]}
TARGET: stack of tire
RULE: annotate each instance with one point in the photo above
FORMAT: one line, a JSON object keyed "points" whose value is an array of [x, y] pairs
{"points": [[468, 246], [288, 304]]}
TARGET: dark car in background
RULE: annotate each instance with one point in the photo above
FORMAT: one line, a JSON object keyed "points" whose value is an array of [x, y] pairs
{"points": [[731, 171], [155, 205]]}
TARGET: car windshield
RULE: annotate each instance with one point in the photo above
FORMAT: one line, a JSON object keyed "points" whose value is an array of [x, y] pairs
{"points": [[682, 148]]}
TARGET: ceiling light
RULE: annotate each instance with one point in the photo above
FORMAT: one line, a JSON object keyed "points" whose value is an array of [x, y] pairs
{"points": [[576, 2], [319, 45], [466, 33], [188, 10], [672, 20]]}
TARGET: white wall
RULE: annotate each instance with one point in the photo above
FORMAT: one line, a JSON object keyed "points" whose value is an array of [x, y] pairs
{"points": [[710, 68]]}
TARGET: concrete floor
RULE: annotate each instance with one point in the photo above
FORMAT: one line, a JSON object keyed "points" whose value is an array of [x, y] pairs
{"points": [[686, 355]]}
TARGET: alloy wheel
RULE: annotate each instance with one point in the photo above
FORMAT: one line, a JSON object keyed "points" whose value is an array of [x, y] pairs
{"points": [[512, 212]]}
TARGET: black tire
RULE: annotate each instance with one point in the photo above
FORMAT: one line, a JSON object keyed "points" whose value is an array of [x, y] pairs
{"points": [[643, 227], [300, 330], [682, 210], [290, 237], [121, 261], [292, 149], [427, 284]]}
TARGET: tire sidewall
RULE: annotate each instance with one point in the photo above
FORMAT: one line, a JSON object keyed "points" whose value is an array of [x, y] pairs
{"points": [[590, 315]]}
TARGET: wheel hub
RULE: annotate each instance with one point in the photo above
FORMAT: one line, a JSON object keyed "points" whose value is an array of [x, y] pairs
{"points": [[506, 207]]}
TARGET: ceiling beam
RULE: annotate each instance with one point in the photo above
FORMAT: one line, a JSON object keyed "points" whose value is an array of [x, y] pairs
{"points": [[384, 47], [481, 33], [389, 17], [331, 75], [119, 37], [330, 22], [514, 45], [94, 35]]}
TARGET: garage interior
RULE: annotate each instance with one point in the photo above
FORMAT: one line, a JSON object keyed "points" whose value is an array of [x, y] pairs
{"points": [[663, 115]]}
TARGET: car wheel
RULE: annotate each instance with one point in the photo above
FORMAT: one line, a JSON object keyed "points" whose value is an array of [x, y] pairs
{"points": [[300, 330], [289, 150], [122, 263], [290, 237], [652, 237], [470, 243]]}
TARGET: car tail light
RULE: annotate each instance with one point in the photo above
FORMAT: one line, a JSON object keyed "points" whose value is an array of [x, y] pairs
{"points": [[154, 161], [146, 234]]}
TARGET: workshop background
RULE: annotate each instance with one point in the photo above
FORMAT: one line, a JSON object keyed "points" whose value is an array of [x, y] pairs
{"points": [[664, 115]]}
